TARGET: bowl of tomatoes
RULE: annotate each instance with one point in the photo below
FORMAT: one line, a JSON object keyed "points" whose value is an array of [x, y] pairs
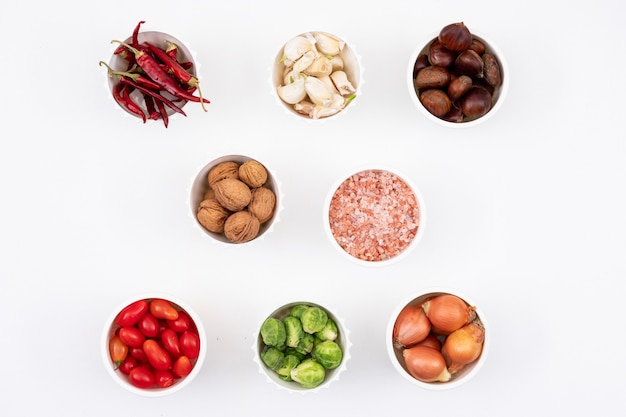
{"points": [[153, 345]]}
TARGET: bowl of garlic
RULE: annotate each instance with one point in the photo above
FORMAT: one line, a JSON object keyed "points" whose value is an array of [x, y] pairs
{"points": [[316, 75]]}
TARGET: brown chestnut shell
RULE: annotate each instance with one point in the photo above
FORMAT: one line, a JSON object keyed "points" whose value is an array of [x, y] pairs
{"points": [[456, 37], [469, 63], [476, 103]]}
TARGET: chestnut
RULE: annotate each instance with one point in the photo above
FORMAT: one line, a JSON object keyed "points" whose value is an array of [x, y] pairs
{"points": [[469, 63], [420, 63], [477, 46], [436, 102], [432, 77], [456, 37], [455, 114], [458, 87], [492, 70], [476, 103], [440, 55]]}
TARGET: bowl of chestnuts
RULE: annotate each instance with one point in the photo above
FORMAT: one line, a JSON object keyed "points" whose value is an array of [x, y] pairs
{"points": [[458, 79], [235, 199]]}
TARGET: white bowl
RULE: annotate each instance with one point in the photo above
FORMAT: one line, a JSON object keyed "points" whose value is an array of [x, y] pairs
{"points": [[360, 259], [352, 68], [332, 375], [395, 355], [498, 97], [159, 39], [110, 328], [200, 186]]}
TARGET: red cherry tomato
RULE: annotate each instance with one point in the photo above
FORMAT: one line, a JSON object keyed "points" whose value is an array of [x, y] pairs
{"points": [[169, 340], [128, 364], [118, 350], [163, 379], [182, 366], [139, 354], [132, 336], [189, 344], [131, 314], [163, 309], [157, 356], [181, 323], [148, 325], [141, 377]]}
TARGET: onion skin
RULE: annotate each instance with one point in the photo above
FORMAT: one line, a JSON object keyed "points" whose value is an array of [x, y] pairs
{"points": [[431, 341], [411, 327], [463, 346], [426, 364], [447, 313]]}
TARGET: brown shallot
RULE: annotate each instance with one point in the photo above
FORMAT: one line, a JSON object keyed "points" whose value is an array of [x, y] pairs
{"points": [[447, 313], [411, 327], [426, 364], [463, 346]]}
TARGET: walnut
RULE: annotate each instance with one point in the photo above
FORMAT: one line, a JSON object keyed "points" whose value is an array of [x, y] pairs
{"points": [[223, 170], [232, 194], [212, 215], [241, 227], [210, 193], [253, 173], [262, 204]]}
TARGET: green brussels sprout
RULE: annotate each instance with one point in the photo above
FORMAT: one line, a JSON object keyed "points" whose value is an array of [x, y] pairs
{"points": [[306, 344], [289, 362], [297, 310], [329, 332], [272, 357], [309, 373], [273, 332], [294, 351], [293, 329], [327, 353], [313, 319]]}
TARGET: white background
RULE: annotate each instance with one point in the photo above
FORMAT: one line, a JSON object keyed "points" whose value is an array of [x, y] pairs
{"points": [[526, 213]]}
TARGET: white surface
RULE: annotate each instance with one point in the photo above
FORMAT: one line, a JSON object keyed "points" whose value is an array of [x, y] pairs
{"points": [[526, 211]]}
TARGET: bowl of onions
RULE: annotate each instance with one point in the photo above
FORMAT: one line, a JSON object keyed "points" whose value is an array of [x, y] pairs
{"points": [[438, 339]]}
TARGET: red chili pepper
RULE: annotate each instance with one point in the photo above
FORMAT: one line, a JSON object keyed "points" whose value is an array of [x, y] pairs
{"points": [[186, 65], [152, 93], [119, 94], [135, 37], [138, 78], [171, 50], [131, 104], [152, 69], [162, 112], [153, 114]]}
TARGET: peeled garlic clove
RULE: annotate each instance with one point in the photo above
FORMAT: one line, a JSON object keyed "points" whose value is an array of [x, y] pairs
{"points": [[318, 91], [320, 67], [337, 62], [327, 44], [296, 47], [305, 61], [332, 107], [304, 107], [293, 92], [343, 85], [326, 79]]}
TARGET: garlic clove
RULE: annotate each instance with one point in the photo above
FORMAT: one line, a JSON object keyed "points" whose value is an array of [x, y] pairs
{"points": [[327, 44], [330, 108], [305, 61], [319, 92], [327, 80], [293, 92], [337, 62], [304, 107], [296, 47], [320, 67], [343, 85]]}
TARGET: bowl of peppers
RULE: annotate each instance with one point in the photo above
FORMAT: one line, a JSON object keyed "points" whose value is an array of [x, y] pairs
{"points": [[152, 76]]}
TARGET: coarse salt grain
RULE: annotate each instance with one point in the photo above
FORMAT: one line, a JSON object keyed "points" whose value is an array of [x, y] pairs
{"points": [[374, 215]]}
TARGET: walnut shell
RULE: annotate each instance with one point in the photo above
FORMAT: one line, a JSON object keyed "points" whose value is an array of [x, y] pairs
{"points": [[223, 170], [210, 193], [212, 215], [232, 194], [262, 204], [253, 173], [241, 227]]}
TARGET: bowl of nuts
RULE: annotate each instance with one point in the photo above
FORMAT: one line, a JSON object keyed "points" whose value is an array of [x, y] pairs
{"points": [[316, 75], [459, 79], [153, 345], [374, 216], [301, 347], [437, 339], [235, 199]]}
